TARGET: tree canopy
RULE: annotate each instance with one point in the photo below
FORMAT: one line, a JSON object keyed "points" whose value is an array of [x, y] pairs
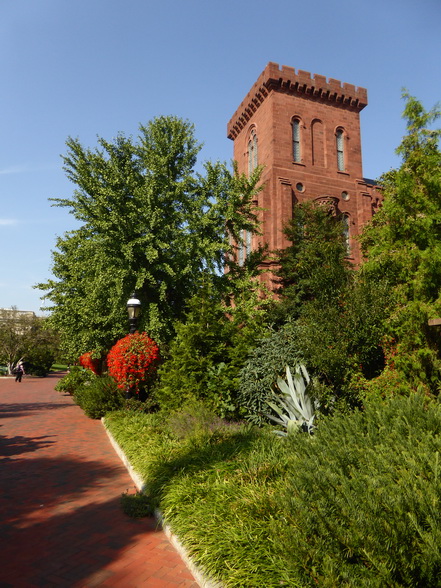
{"points": [[402, 245], [150, 224]]}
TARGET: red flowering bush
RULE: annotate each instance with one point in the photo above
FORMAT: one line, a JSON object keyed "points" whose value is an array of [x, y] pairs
{"points": [[88, 362], [132, 361]]}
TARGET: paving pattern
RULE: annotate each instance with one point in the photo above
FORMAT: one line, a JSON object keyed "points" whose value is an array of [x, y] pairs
{"points": [[61, 524]]}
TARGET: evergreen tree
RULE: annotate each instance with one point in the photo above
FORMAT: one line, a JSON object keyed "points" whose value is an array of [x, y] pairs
{"points": [[212, 344], [402, 245], [315, 265]]}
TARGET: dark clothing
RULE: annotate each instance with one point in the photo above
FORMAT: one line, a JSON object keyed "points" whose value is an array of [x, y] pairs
{"points": [[19, 373]]}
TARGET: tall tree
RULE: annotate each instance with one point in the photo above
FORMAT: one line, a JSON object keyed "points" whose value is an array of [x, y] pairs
{"points": [[326, 308], [150, 224], [315, 265], [402, 244]]}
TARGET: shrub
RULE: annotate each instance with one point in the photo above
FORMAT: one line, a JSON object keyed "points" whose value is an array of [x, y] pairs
{"points": [[99, 396], [132, 361], [90, 363], [74, 379], [136, 405], [362, 498], [266, 363]]}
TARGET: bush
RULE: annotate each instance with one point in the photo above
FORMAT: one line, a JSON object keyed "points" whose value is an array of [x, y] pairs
{"points": [[133, 361], [266, 363], [99, 396], [39, 361], [74, 379], [362, 499]]}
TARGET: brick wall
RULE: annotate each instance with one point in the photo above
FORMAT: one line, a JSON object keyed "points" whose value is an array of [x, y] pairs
{"points": [[322, 107]]}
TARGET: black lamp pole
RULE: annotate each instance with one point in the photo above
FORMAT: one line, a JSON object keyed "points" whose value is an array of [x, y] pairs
{"points": [[133, 309]]}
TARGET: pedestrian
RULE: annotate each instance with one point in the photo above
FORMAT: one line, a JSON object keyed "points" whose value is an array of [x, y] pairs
{"points": [[19, 371]]}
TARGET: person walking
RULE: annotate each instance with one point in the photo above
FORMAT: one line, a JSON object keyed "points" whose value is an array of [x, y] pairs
{"points": [[19, 371]]}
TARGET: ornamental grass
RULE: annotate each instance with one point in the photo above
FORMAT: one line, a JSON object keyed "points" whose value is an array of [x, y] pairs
{"points": [[354, 505]]}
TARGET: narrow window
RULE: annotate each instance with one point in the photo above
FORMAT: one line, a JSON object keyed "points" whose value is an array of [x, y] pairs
{"points": [[345, 221], [244, 247], [252, 152], [340, 150], [296, 140]]}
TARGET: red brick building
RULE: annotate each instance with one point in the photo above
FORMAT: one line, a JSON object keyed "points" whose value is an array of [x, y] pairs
{"points": [[305, 130]]}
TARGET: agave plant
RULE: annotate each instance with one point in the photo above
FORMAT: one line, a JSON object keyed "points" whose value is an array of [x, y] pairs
{"points": [[294, 408]]}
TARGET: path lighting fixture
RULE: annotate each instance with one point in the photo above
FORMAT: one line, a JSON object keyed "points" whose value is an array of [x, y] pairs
{"points": [[133, 309]]}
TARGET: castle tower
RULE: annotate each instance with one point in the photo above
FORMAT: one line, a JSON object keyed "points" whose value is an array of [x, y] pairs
{"points": [[305, 130]]}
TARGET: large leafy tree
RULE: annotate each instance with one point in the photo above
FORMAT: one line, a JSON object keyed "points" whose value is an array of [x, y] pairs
{"points": [[402, 245], [150, 224]]}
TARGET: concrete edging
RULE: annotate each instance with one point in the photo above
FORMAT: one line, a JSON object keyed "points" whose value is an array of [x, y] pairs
{"points": [[199, 577]]}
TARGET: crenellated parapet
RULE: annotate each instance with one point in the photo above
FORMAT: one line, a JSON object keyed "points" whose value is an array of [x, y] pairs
{"points": [[287, 79]]}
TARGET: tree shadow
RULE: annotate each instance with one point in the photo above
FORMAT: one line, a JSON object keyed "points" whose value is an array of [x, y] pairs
{"points": [[17, 445], [59, 528], [198, 458], [24, 408]]}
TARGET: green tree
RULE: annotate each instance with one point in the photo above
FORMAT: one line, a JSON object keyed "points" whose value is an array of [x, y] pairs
{"points": [[331, 318], [402, 245], [315, 266], [23, 335], [150, 224], [212, 344]]}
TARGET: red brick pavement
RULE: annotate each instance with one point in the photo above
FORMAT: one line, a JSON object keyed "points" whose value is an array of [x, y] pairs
{"points": [[60, 488]]}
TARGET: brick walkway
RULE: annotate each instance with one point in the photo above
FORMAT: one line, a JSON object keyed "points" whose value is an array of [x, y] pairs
{"points": [[60, 489]]}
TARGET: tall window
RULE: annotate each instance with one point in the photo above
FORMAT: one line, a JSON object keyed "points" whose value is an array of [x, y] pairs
{"points": [[244, 247], [252, 152], [345, 221], [296, 152], [339, 136]]}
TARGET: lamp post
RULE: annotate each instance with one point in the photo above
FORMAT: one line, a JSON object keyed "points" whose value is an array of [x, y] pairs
{"points": [[133, 309]]}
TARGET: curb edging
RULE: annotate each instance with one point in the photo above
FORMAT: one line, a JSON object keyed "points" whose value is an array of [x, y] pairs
{"points": [[199, 577]]}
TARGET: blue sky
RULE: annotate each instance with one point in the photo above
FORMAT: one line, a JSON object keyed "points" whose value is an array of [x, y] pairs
{"points": [[84, 68]]}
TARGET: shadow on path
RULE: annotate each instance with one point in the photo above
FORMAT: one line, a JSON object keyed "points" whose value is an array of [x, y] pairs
{"points": [[66, 530]]}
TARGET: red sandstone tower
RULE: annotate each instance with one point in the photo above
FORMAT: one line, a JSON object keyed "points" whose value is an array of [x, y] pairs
{"points": [[305, 130]]}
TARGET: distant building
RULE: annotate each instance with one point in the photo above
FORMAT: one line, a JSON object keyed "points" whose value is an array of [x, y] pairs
{"points": [[305, 130], [14, 314], [20, 320]]}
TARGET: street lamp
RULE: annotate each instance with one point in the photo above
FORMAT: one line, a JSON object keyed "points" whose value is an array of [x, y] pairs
{"points": [[133, 309]]}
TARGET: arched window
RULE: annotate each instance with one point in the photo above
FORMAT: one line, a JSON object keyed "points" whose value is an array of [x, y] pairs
{"points": [[318, 143], [296, 147], [252, 152], [340, 138]]}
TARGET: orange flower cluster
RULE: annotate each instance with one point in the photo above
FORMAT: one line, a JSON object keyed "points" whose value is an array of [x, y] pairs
{"points": [[132, 360], [88, 362]]}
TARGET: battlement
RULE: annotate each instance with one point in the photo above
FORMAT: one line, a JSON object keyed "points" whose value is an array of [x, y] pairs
{"points": [[287, 79]]}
